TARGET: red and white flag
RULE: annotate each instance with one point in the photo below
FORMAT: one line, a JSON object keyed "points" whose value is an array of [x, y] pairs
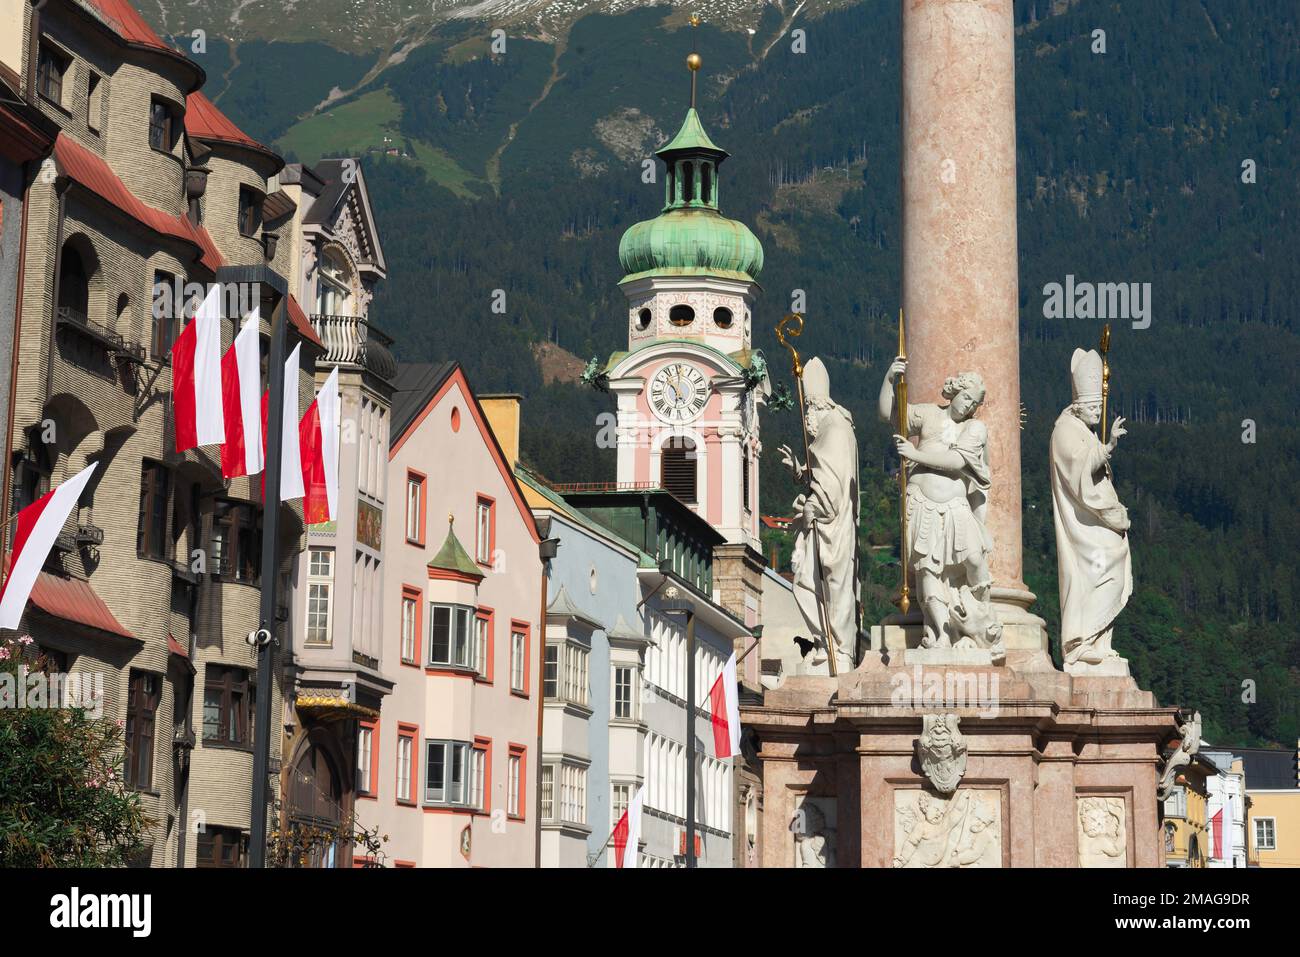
{"points": [[724, 702], [241, 397], [318, 436], [627, 833], [36, 528], [291, 480], [196, 377], [291, 465]]}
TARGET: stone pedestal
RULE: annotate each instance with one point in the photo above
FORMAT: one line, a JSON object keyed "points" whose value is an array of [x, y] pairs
{"points": [[1060, 770]]}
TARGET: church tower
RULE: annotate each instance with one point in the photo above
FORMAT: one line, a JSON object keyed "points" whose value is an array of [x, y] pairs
{"points": [[689, 385]]}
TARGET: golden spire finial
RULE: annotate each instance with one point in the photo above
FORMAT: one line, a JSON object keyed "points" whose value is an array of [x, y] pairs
{"points": [[694, 61], [451, 519]]}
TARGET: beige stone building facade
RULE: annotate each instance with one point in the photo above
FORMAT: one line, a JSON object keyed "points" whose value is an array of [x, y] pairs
{"points": [[156, 580]]}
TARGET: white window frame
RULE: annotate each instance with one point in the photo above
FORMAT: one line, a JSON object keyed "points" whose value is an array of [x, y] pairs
{"points": [[410, 624], [620, 797], [514, 783], [482, 642], [478, 761], [405, 752], [573, 794], [465, 635], [365, 750], [445, 796], [414, 507], [1271, 845], [546, 784], [556, 681], [518, 658], [483, 531], [325, 583], [633, 712]]}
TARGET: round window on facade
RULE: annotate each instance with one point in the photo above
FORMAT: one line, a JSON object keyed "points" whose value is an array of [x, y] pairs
{"points": [[681, 315], [643, 319], [722, 317]]}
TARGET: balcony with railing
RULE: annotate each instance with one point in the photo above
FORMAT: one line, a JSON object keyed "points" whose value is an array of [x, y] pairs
{"points": [[109, 340], [355, 341]]}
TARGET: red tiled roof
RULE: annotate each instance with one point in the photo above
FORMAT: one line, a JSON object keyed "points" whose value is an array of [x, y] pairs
{"points": [[301, 322], [204, 121], [93, 173], [74, 600], [127, 23]]}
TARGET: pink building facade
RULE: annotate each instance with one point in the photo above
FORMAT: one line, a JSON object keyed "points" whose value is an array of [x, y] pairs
{"points": [[452, 759]]}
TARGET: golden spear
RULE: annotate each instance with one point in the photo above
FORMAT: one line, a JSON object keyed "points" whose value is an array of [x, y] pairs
{"points": [[1105, 377], [795, 321], [900, 407]]}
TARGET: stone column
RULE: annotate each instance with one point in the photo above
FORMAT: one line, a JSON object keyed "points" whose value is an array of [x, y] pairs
{"points": [[960, 283]]}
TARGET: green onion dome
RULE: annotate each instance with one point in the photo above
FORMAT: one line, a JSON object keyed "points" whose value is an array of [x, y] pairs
{"points": [[691, 237]]}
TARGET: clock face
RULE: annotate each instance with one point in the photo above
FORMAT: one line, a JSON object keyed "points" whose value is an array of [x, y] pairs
{"points": [[678, 392]]}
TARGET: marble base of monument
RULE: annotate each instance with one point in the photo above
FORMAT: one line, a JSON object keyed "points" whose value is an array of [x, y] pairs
{"points": [[904, 763]]}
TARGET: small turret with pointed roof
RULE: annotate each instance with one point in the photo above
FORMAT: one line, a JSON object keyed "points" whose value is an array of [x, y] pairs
{"points": [[452, 557]]}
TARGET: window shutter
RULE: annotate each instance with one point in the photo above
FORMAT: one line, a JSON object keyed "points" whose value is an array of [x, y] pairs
{"points": [[677, 469]]}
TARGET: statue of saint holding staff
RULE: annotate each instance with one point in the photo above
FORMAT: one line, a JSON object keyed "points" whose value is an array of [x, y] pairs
{"points": [[947, 544]]}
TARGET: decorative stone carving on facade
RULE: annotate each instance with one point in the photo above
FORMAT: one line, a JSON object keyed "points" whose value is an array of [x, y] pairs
{"points": [[1190, 742], [1103, 841], [346, 228], [813, 827], [941, 751], [964, 830]]}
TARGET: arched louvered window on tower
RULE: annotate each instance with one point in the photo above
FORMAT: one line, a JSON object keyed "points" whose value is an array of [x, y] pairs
{"points": [[677, 462]]}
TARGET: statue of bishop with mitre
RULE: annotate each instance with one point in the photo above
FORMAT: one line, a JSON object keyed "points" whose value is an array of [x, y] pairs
{"points": [[1094, 566]]}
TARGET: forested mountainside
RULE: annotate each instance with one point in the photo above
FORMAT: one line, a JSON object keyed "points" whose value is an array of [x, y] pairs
{"points": [[1169, 159]]}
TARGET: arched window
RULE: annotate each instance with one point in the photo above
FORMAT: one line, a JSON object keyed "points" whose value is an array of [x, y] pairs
{"points": [[334, 285], [74, 283], [706, 182], [677, 463], [681, 315], [316, 801], [688, 181]]}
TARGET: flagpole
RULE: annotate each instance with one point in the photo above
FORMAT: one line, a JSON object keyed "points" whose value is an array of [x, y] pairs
{"points": [[263, 732]]}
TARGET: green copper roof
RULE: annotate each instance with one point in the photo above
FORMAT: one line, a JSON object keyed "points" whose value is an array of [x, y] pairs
{"points": [[691, 137], [690, 242], [452, 557], [690, 237]]}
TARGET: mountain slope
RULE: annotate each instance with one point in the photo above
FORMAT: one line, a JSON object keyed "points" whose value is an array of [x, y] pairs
{"points": [[524, 169]]}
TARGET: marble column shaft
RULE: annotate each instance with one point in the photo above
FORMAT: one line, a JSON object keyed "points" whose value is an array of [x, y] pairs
{"points": [[960, 283]]}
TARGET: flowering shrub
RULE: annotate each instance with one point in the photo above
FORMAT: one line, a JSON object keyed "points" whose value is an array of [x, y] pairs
{"points": [[63, 802]]}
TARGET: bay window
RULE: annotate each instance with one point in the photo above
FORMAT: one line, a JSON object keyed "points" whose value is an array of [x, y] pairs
{"points": [[452, 636], [447, 768]]}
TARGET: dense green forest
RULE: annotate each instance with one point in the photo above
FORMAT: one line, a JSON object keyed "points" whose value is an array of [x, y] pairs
{"points": [[1130, 170]]}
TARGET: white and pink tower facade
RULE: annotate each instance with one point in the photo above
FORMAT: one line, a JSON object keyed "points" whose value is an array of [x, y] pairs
{"points": [[690, 386]]}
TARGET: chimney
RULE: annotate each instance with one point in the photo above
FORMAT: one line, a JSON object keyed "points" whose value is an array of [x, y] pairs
{"points": [[503, 410]]}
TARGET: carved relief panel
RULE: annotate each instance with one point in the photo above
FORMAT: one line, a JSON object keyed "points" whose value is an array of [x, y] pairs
{"points": [[963, 829], [1103, 835]]}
